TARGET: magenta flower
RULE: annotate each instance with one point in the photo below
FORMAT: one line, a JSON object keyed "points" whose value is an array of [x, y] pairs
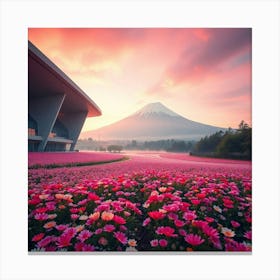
{"points": [[109, 228], [84, 235], [98, 231], [235, 224], [71, 231], [194, 239], [41, 216], [88, 248], [119, 220], [182, 232], [248, 235], [79, 246], [163, 243], [120, 237], [189, 216], [44, 242], [167, 231], [61, 227], [64, 240], [74, 216], [146, 222], [154, 243], [179, 223]]}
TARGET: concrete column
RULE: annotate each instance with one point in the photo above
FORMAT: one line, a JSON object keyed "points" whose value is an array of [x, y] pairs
{"points": [[45, 110], [73, 122]]}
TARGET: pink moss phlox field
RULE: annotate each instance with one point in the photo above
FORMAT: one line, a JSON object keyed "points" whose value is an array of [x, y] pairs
{"points": [[61, 158], [137, 205], [183, 156]]}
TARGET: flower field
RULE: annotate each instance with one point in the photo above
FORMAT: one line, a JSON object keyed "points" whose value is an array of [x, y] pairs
{"points": [[183, 156], [143, 204], [56, 159]]}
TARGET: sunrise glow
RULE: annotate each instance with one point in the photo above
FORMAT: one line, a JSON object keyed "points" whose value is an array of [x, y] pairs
{"points": [[201, 74]]}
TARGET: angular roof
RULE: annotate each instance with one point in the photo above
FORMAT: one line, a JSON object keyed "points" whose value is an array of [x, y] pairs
{"points": [[45, 79]]}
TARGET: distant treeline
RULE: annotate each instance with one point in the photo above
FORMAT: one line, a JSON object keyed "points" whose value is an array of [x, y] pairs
{"points": [[169, 145], [232, 143], [235, 144]]}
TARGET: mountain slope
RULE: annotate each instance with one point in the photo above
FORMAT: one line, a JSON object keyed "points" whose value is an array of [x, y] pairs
{"points": [[152, 122]]}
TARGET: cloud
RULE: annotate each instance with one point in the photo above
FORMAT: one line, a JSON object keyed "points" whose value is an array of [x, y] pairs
{"points": [[207, 54], [198, 70]]}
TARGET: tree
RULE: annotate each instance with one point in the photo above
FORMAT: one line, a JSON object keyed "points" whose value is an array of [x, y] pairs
{"points": [[114, 148]]}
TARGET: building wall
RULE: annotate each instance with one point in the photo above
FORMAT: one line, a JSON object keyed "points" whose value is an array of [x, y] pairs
{"points": [[57, 107], [59, 130]]}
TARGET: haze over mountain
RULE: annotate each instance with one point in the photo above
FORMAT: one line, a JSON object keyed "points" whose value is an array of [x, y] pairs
{"points": [[153, 122]]}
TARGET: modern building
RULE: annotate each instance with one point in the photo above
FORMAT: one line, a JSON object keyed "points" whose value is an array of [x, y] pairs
{"points": [[57, 107]]}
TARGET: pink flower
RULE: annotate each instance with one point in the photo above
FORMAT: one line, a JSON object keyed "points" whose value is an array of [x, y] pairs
{"points": [[84, 235], [41, 216], [74, 216], [98, 231], [179, 223], [189, 216], [123, 228], [79, 246], [64, 240], [167, 231], [194, 239], [61, 227], [154, 243], [44, 242], [172, 216], [232, 245], [182, 232], [71, 231], [146, 222], [248, 235], [209, 219], [120, 237], [163, 243], [235, 224], [103, 241], [211, 232], [109, 228], [88, 248], [119, 220]]}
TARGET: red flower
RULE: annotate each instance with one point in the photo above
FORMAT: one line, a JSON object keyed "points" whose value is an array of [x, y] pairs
{"points": [[201, 195], [38, 237], [156, 215], [119, 220], [195, 201], [93, 197]]}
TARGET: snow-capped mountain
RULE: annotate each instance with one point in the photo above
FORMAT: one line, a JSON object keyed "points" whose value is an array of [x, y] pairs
{"points": [[153, 122], [153, 109]]}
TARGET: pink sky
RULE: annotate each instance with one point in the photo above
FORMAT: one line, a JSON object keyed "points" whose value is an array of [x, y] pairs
{"points": [[202, 74]]}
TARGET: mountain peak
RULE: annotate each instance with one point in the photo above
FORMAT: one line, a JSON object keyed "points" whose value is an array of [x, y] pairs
{"points": [[155, 108]]}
